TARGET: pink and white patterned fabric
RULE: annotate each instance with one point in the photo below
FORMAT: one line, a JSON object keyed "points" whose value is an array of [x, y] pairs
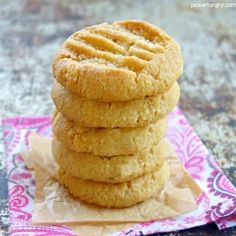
{"points": [[216, 204]]}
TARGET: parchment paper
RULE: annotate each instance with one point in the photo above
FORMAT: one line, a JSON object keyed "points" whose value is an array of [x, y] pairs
{"points": [[53, 204]]}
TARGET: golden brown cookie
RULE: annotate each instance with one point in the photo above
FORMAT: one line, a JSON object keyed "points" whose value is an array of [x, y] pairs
{"points": [[118, 62], [116, 195], [113, 169], [107, 142], [133, 113]]}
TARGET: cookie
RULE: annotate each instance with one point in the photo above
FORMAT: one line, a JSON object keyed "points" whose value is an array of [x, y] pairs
{"points": [[107, 142], [116, 195], [133, 113], [113, 169], [118, 62]]}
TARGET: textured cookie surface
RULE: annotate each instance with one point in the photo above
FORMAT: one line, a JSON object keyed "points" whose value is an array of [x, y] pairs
{"points": [[118, 62], [107, 142], [116, 195], [113, 169], [133, 113]]}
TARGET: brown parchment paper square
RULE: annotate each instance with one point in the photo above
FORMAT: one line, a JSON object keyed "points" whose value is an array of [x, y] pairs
{"points": [[53, 204]]}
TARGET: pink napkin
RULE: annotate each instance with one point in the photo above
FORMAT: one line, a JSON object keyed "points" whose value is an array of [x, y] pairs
{"points": [[216, 204]]}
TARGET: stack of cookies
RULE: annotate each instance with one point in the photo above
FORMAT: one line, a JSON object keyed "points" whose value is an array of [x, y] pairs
{"points": [[114, 86]]}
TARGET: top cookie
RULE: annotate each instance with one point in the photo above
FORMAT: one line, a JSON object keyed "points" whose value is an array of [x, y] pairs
{"points": [[118, 62]]}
